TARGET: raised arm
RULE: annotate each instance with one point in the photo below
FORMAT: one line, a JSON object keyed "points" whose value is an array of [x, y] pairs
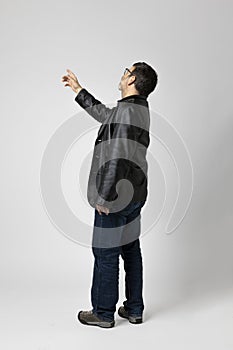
{"points": [[87, 101], [93, 106]]}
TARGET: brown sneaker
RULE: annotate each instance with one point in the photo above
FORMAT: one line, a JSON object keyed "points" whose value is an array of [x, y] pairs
{"points": [[132, 319], [88, 318]]}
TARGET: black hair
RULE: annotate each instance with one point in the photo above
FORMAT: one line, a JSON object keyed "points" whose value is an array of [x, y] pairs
{"points": [[146, 78]]}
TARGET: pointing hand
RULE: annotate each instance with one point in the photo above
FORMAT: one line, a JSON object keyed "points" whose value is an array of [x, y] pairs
{"points": [[72, 81]]}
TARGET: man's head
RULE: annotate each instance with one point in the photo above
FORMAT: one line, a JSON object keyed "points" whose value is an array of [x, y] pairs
{"points": [[140, 79]]}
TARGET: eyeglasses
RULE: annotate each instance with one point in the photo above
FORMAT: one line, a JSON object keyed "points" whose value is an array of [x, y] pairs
{"points": [[127, 70]]}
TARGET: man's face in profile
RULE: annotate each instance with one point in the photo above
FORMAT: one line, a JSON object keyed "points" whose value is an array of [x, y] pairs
{"points": [[124, 79]]}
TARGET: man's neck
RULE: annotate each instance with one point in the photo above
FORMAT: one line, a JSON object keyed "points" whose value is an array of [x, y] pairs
{"points": [[126, 94]]}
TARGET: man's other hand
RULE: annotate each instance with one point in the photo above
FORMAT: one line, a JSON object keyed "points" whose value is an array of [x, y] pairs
{"points": [[72, 81], [101, 209]]}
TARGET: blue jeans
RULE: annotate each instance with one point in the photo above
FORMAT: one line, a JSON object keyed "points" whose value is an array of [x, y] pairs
{"points": [[104, 290]]}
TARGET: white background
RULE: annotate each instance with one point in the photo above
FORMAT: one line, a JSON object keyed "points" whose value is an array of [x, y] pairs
{"points": [[44, 277]]}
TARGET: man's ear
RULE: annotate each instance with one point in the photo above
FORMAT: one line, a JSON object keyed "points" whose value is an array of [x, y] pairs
{"points": [[131, 80]]}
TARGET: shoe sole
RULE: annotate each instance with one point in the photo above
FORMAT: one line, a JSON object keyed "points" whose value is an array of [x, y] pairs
{"points": [[102, 324]]}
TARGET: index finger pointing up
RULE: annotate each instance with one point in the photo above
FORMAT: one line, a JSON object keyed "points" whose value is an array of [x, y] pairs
{"points": [[71, 73]]}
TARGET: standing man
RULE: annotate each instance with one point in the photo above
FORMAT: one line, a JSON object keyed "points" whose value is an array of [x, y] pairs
{"points": [[117, 190]]}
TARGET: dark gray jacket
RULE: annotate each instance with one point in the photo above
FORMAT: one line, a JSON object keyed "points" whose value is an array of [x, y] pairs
{"points": [[120, 150]]}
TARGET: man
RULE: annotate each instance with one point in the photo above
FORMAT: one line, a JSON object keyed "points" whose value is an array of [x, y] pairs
{"points": [[117, 189]]}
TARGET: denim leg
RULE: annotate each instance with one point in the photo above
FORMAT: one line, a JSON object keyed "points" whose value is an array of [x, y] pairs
{"points": [[131, 254], [105, 284]]}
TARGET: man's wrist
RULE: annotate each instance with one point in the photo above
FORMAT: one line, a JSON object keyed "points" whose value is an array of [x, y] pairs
{"points": [[78, 89]]}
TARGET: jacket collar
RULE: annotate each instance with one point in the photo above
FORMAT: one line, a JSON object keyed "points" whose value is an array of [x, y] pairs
{"points": [[139, 99], [133, 97]]}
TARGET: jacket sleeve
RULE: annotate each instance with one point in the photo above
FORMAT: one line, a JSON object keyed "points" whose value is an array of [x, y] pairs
{"points": [[93, 106], [120, 150]]}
